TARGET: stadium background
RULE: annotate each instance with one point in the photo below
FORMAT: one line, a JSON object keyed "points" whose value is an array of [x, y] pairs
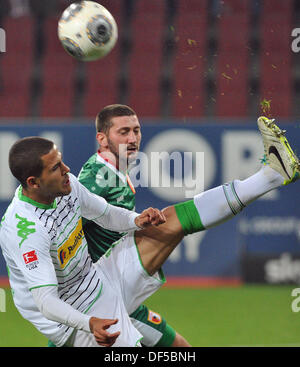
{"points": [[201, 70]]}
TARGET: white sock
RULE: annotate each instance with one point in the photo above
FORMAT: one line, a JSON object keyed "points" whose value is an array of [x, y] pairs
{"points": [[265, 180], [221, 203]]}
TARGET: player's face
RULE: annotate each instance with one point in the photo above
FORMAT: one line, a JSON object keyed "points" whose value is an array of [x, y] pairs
{"points": [[124, 137], [54, 180]]}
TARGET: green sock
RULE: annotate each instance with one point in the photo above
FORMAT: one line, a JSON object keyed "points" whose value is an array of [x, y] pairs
{"points": [[189, 218]]}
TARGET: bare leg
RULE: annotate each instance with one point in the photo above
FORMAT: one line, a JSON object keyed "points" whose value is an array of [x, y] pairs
{"points": [[155, 244], [179, 341]]}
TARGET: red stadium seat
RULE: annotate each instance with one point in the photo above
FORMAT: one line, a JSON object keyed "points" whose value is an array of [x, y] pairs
{"points": [[190, 27], [191, 7], [101, 84], [188, 95], [145, 62], [275, 56], [102, 76], [16, 67], [232, 64], [276, 85], [58, 75], [234, 7], [278, 7]]}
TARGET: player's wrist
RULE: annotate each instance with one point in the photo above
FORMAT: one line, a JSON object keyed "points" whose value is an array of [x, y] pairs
{"points": [[134, 220], [92, 323]]}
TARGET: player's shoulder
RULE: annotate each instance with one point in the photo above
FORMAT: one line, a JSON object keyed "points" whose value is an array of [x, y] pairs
{"points": [[92, 174], [89, 170], [21, 211], [20, 222], [90, 167]]}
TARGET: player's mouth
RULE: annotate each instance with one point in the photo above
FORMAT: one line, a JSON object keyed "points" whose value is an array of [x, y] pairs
{"points": [[131, 149], [66, 181]]}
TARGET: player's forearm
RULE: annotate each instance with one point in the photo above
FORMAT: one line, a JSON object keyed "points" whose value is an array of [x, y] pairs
{"points": [[54, 309], [108, 216], [117, 219]]}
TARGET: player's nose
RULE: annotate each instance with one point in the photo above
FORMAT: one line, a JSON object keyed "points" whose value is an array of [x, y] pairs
{"points": [[65, 169], [132, 137]]}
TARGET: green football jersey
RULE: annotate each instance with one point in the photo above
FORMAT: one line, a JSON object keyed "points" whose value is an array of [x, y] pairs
{"points": [[103, 179]]}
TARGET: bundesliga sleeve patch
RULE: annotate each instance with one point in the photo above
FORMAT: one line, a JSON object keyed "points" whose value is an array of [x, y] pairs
{"points": [[154, 317], [30, 259]]}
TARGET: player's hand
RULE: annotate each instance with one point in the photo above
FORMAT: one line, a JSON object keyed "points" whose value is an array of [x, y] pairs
{"points": [[99, 329], [150, 217]]}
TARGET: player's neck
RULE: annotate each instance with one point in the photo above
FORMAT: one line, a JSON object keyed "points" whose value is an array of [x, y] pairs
{"points": [[37, 197], [110, 158]]}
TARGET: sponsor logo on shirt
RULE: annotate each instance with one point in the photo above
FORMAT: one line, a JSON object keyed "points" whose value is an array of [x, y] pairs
{"points": [[154, 317], [31, 259], [68, 250]]}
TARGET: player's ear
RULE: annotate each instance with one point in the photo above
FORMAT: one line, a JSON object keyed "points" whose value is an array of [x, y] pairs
{"points": [[102, 139], [32, 182]]}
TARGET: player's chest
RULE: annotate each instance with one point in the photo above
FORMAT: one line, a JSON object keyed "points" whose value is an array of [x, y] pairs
{"points": [[66, 232], [59, 220]]}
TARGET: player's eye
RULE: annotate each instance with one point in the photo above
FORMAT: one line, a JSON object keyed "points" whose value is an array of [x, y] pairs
{"points": [[54, 168]]}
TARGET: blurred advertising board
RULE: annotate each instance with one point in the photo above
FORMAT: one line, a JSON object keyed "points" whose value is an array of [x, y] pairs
{"points": [[178, 161]]}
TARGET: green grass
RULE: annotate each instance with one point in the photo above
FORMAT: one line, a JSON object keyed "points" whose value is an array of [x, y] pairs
{"points": [[15, 331], [244, 316]]}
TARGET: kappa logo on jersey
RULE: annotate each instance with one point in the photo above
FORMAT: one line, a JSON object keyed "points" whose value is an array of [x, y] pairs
{"points": [[30, 259], [24, 231], [154, 317], [69, 248]]}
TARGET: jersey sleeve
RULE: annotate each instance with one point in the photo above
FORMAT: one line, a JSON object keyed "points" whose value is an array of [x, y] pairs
{"points": [[93, 181], [97, 209], [31, 254], [92, 206]]}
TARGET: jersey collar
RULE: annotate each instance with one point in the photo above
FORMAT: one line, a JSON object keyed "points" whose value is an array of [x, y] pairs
{"points": [[35, 203], [111, 166], [123, 177]]}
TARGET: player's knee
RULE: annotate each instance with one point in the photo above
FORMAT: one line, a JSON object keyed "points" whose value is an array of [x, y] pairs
{"points": [[180, 341]]}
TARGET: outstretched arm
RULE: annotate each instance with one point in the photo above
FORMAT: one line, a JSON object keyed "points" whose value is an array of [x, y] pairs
{"points": [[123, 220], [97, 209]]}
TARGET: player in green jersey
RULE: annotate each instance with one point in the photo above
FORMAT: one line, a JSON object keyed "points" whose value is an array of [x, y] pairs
{"points": [[118, 133]]}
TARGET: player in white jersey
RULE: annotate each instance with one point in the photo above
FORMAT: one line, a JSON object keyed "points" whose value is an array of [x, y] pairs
{"points": [[46, 252], [51, 272]]}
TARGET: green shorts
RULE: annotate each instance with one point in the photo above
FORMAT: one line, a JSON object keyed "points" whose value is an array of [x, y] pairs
{"points": [[154, 328]]}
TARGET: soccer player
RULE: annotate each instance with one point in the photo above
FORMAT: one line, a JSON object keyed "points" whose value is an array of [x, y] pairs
{"points": [[44, 246], [118, 133], [54, 282]]}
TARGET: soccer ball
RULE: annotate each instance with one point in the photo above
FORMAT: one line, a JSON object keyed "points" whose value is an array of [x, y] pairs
{"points": [[87, 31]]}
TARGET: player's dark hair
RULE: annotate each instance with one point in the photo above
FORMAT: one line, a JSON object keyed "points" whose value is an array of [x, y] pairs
{"points": [[103, 119], [25, 157]]}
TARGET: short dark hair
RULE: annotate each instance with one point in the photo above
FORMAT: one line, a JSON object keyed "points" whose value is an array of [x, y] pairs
{"points": [[103, 120], [25, 157]]}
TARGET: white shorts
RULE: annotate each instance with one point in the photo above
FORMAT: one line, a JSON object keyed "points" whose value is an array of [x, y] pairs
{"points": [[126, 285]]}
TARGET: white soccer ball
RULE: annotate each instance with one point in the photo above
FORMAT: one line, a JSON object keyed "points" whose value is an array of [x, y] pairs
{"points": [[87, 30]]}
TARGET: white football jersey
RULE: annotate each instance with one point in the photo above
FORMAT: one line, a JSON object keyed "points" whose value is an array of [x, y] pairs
{"points": [[45, 245]]}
